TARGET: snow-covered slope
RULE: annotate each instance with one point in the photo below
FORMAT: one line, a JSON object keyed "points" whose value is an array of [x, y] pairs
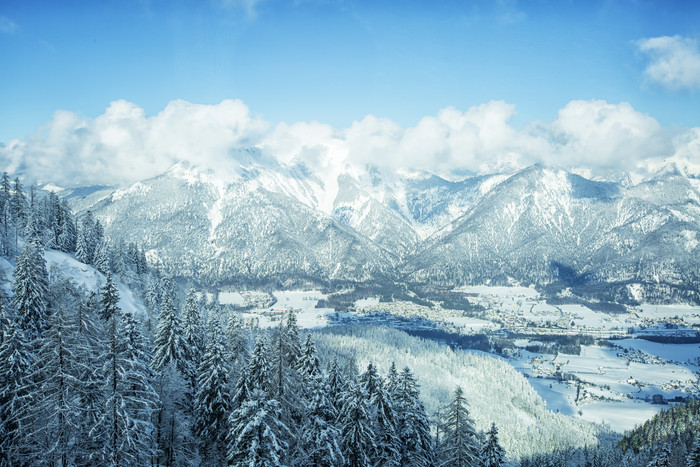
{"points": [[543, 225], [495, 391], [91, 279]]}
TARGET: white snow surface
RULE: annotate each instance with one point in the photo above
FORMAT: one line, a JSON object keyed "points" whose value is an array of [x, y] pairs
{"points": [[91, 279]]}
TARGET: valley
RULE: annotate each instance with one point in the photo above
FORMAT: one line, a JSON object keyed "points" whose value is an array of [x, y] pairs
{"points": [[615, 369]]}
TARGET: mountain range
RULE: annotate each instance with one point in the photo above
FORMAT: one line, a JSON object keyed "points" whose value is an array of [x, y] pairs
{"points": [[262, 222]]}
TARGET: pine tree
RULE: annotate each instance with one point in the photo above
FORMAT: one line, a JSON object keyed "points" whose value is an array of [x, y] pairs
{"points": [[212, 399], [388, 452], [256, 437], [370, 380], [356, 433], [292, 340], [319, 436], [460, 443], [336, 384], [55, 406], [259, 367], [30, 289], [241, 392], [82, 248], [391, 384], [109, 312], [492, 454], [193, 339], [86, 241], [413, 426], [309, 365], [693, 458], [68, 232], [173, 433], [139, 399], [91, 349], [18, 204], [103, 257], [237, 344], [662, 457], [16, 361], [168, 342]]}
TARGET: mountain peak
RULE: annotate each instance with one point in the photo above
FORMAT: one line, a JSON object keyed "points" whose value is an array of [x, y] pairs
{"points": [[669, 170]]}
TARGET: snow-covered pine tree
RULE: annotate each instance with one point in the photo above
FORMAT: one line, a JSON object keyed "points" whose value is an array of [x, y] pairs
{"points": [[109, 312], [86, 241], [193, 339], [55, 405], [238, 353], [241, 391], [16, 361], [257, 436], [391, 384], [662, 457], [693, 458], [103, 257], [319, 435], [388, 451], [212, 401], [68, 230], [98, 236], [82, 246], [413, 425], [492, 454], [30, 289], [460, 441], [286, 384], [336, 384], [172, 427], [370, 380], [18, 204], [356, 432], [91, 349], [139, 398], [168, 339], [5, 191], [259, 367], [309, 365], [292, 339]]}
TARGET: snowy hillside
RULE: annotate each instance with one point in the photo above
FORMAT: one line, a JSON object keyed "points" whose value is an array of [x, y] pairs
{"points": [[495, 391]]}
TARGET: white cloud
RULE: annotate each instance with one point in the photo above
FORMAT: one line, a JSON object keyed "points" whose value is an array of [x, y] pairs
{"points": [[605, 136], [125, 145], [674, 61], [7, 26]]}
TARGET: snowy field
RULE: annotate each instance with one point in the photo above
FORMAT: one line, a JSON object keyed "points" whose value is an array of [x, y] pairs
{"points": [[303, 303], [614, 386]]}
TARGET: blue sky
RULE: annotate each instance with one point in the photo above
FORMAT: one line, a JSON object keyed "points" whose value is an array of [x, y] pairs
{"points": [[338, 61]]}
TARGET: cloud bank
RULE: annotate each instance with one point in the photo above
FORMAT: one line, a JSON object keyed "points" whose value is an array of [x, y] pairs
{"points": [[124, 144], [674, 62]]}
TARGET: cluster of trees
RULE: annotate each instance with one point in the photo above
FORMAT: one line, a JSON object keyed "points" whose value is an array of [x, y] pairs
{"points": [[83, 382], [49, 219]]}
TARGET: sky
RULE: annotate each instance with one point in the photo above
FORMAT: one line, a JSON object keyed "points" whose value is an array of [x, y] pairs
{"points": [[88, 88]]}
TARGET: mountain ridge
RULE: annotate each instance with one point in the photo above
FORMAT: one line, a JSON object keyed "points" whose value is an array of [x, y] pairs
{"points": [[539, 226]]}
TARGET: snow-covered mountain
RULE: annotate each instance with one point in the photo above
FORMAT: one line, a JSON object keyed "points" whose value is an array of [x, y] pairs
{"points": [[260, 221]]}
